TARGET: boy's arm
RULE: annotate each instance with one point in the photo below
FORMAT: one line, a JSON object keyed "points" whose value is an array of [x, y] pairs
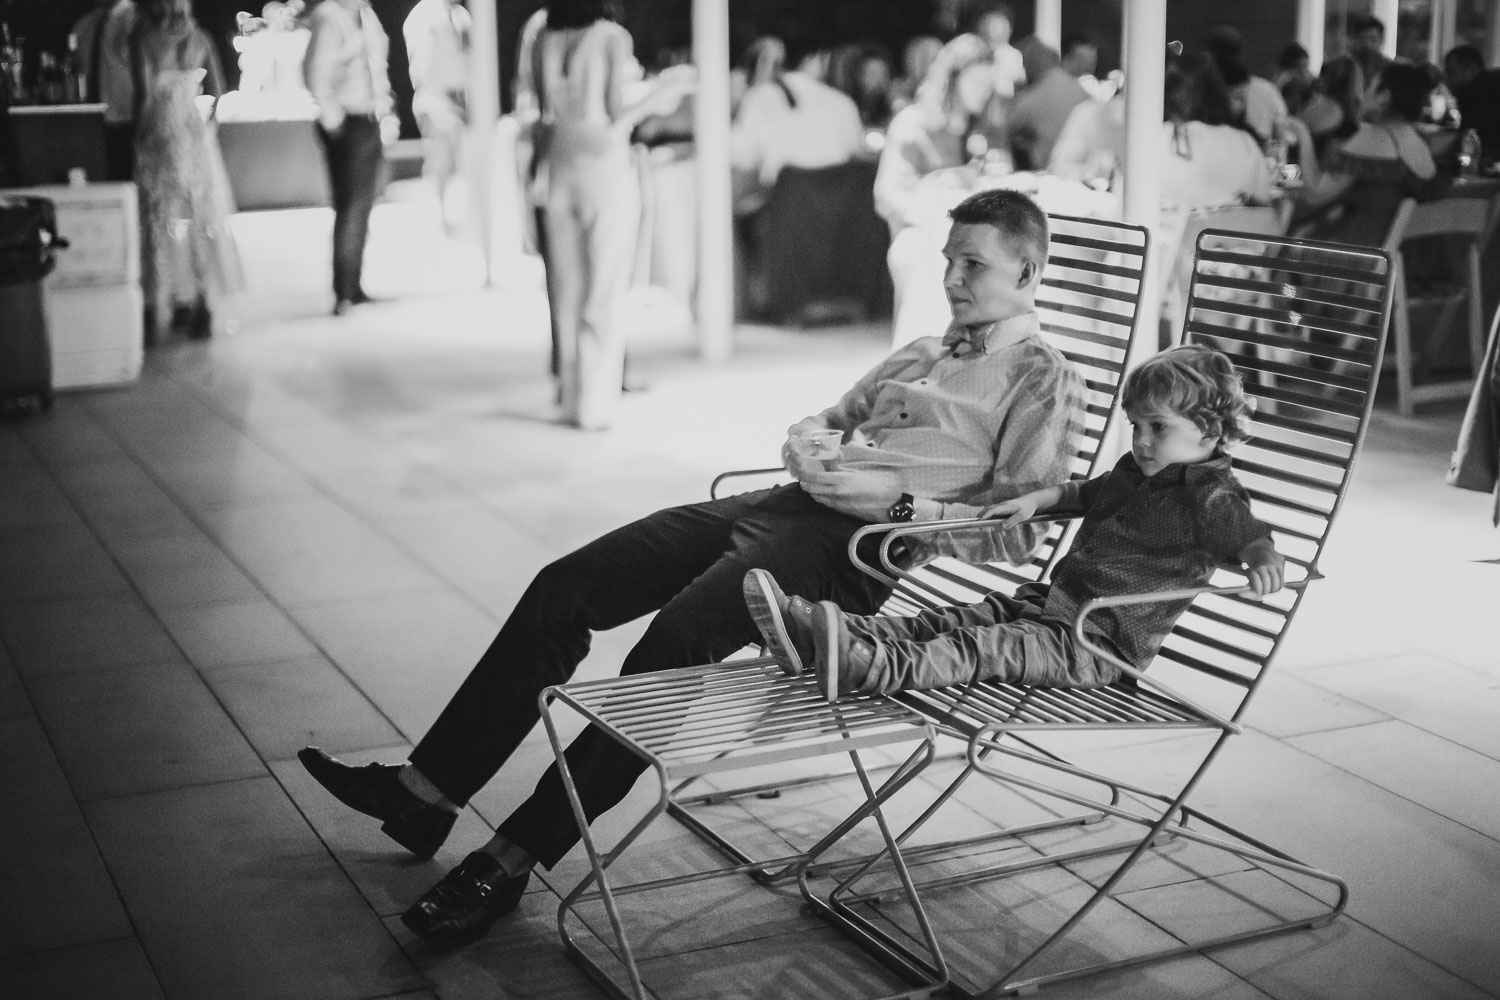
{"points": [[1043, 501]]}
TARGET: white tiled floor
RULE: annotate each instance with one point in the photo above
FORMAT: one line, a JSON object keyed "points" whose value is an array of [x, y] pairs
{"points": [[304, 530]]}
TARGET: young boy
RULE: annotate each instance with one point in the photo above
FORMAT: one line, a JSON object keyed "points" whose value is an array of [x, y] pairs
{"points": [[1163, 518]]}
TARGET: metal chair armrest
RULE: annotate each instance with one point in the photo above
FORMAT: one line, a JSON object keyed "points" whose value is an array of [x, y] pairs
{"points": [[713, 488], [1140, 676], [888, 572]]}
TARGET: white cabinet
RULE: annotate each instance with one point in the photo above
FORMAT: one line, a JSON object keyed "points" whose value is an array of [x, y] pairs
{"points": [[94, 294]]}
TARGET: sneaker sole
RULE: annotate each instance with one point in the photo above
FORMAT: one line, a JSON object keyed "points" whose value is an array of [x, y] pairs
{"points": [[826, 638], [768, 619]]}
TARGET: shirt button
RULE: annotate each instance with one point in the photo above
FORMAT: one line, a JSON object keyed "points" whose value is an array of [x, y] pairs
{"points": [[903, 416]]}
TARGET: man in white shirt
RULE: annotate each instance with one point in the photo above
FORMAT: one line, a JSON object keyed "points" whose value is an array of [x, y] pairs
{"points": [[437, 52], [104, 41], [1257, 99], [796, 120], [345, 68]]}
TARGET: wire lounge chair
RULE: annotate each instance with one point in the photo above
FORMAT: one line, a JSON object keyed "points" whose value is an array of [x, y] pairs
{"points": [[1305, 323], [1087, 304]]}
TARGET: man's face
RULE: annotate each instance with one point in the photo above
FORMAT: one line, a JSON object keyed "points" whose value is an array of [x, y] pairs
{"points": [[994, 28], [1458, 73], [983, 280], [1081, 60], [1368, 40]]}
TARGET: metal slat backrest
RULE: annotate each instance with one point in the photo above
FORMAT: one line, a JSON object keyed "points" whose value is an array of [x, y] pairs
{"points": [[1088, 302], [1305, 324]]}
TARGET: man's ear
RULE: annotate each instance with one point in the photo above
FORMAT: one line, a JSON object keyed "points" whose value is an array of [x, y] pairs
{"points": [[1028, 272]]}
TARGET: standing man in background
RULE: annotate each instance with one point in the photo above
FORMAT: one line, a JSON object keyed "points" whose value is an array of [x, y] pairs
{"points": [[437, 50], [104, 53], [345, 67]]}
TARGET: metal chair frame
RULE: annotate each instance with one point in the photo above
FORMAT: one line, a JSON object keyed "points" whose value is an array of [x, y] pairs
{"points": [[1297, 468], [706, 720], [1088, 305]]}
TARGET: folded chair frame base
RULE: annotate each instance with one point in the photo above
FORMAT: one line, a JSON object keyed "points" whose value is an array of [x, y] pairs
{"points": [[926, 975], [1166, 822]]}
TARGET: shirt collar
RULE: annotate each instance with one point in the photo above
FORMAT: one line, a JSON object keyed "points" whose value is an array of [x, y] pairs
{"points": [[1195, 474], [990, 337]]}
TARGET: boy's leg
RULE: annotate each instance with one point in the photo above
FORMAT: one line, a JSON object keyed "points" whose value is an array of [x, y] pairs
{"points": [[1022, 650]]}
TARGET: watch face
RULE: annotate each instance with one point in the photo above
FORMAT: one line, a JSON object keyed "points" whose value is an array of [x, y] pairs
{"points": [[902, 509]]}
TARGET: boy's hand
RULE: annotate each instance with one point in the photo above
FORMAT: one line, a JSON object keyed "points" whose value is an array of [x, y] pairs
{"points": [[1011, 512], [1264, 567]]}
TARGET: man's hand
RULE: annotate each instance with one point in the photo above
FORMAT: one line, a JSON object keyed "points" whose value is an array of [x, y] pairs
{"points": [[865, 495], [1264, 567], [798, 464], [390, 129], [1012, 512]]}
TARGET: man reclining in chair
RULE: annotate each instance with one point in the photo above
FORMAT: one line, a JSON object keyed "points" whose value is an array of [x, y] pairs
{"points": [[1163, 518], [943, 428]]}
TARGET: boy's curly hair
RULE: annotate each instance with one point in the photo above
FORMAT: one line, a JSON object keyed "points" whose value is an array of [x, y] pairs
{"points": [[1197, 382]]}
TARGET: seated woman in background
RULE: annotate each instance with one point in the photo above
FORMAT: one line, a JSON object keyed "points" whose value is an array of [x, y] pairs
{"points": [[1332, 112], [1208, 161], [1380, 165], [925, 139]]}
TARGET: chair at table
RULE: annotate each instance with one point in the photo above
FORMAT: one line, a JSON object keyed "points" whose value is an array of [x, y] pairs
{"points": [[1465, 222], [1087, 305], [1042, 743], [819, 247]]}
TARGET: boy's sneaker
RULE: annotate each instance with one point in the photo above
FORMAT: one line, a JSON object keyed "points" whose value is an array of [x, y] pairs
{"points": [[784, 622], [843, 661]]}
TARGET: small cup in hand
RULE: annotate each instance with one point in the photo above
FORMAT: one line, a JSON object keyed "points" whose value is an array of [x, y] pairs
{"points": [[824, 446]]}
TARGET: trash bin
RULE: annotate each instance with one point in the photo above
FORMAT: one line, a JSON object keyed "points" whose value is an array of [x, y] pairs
{"points": [[28, 243]]}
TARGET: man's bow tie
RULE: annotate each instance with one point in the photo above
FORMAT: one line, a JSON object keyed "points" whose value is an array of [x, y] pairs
{"points": [[962, 340]]}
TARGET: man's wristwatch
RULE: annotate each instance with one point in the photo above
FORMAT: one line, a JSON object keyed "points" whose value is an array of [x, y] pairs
{"points": [[902, 510]]}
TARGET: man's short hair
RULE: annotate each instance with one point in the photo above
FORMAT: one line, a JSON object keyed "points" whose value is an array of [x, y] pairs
{"points": [[1358, 24], [1196, 382], [1466, 56], [1021, 222]]}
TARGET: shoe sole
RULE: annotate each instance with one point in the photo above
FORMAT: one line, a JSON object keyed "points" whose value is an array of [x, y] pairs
{"points": [[826, 640], [768, 619]]}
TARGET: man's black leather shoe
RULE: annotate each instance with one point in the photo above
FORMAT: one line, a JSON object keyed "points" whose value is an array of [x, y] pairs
{"points": [[376, 791], [466, 902]]}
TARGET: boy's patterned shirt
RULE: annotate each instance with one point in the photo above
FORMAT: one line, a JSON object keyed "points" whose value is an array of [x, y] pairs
{"points": [[1163, 532]]}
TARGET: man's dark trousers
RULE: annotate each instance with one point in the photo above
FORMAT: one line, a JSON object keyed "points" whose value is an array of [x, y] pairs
{"points": [[688, 562], [354, 158]]}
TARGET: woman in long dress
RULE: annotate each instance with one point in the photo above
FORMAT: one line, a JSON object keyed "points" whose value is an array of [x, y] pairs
{"points": [[188, 254], [585, 184]]}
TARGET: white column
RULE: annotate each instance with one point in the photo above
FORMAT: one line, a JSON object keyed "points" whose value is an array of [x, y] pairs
{"points": [[484, 112], [711, 131], [1444, 30], [1312, 17], [1492, 36], [1145, 55], [1388, 11], [1049, 22]]}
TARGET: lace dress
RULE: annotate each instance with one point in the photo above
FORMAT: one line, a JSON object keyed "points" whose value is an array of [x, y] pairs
{"points": [[187, 249]]}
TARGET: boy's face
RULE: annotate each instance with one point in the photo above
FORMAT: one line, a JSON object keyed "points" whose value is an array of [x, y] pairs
{"points": [[1160, 437]]}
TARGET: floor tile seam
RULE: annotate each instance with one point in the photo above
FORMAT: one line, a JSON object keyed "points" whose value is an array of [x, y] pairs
{"points": [[254, 581], [270, 774], [114, 882], [57, 948], [1381, 790], [250, 432], [369, 522], [348, 875]]}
